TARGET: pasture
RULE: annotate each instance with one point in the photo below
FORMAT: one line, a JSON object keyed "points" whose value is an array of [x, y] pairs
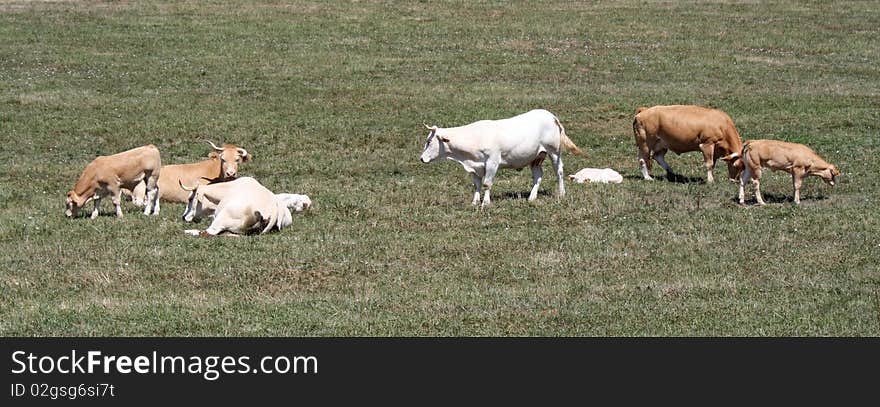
{"points": [[331, 97]]}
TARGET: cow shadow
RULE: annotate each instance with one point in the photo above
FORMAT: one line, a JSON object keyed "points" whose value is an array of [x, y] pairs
{"points": [[671, 177], [683, 179], [772, 198], [521, 194]]}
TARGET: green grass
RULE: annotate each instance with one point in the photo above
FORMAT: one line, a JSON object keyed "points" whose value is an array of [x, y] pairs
{"points": [[330, 98]]}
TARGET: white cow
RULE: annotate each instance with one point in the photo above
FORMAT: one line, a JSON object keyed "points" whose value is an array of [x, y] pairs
{"points": [[605, 175], [485, 146], [204, 198], [244, 206]]}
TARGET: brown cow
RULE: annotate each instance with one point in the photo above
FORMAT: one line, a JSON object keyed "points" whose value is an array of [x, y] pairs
{"points": [[221, 165], [795, 159], [107, 175], [684, 128]]}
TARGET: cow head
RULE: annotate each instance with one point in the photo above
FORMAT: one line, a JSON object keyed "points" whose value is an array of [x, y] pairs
{"points": [[435, 145], [230, 156], [197, 206], [296, 202], [735, 166], [829, 175], [74, 202]]}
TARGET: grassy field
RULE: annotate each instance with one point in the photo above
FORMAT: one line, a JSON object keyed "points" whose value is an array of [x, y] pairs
{"points": [[330, 98]]}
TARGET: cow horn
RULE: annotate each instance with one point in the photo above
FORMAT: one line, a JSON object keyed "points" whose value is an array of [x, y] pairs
{"points": [[184, 187], [243, 152], [212, 145], [432, 128]]}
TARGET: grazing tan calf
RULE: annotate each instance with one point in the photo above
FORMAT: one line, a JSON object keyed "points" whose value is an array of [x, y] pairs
{"points": [[221, 165], [107, 175], [795, 159], [684, 128]]}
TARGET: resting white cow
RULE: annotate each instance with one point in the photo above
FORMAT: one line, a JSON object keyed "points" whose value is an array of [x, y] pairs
{"points": [[204, 198], [241, 206], [604, 176], [485, 146]]}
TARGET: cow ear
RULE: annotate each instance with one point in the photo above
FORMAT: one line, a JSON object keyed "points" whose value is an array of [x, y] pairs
{"points": [[213, 155], [730, 157], [442, 138]]}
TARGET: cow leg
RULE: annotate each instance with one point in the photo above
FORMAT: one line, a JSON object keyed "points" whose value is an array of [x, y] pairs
{"points": [[560, 172], [660, 157], [116, 198], [797, 176], [745, 177], [488, 179], [96, 211], [644, 153], [151, 205], [478, 181], [156, 201], [756, 181], [537, 174], [708, 160]]}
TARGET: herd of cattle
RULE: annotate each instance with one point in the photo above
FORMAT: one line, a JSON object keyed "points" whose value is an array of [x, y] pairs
{"points": [[209, 188], [243, 205]]}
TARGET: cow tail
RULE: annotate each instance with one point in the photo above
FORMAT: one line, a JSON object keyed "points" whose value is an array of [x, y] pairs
{"points": [[747, 146], [566, 142]]}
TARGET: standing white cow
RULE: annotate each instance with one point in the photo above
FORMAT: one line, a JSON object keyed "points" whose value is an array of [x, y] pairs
{"points": [[485, 146]]}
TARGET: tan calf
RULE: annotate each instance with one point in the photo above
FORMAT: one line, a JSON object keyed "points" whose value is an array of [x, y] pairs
{"points": [[684, 128], [795, 159], [107, 175]]}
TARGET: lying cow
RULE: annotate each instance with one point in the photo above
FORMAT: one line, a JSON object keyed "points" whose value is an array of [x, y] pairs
{"points": [[795, 159], [485, 146], [248, 207], [605, 175], [107, 175], [221, 165], [204, 199], [683, 128]]}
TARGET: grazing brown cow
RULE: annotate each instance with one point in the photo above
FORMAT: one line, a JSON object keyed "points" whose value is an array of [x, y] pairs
{"points": [[795, 159], [107, 175], [684, 128], [221, 165]]}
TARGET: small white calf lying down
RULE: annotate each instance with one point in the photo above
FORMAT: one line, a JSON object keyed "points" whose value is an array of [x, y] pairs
{"points": [[795, 159], [604, 176], [108, 175], [241, 206]]}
